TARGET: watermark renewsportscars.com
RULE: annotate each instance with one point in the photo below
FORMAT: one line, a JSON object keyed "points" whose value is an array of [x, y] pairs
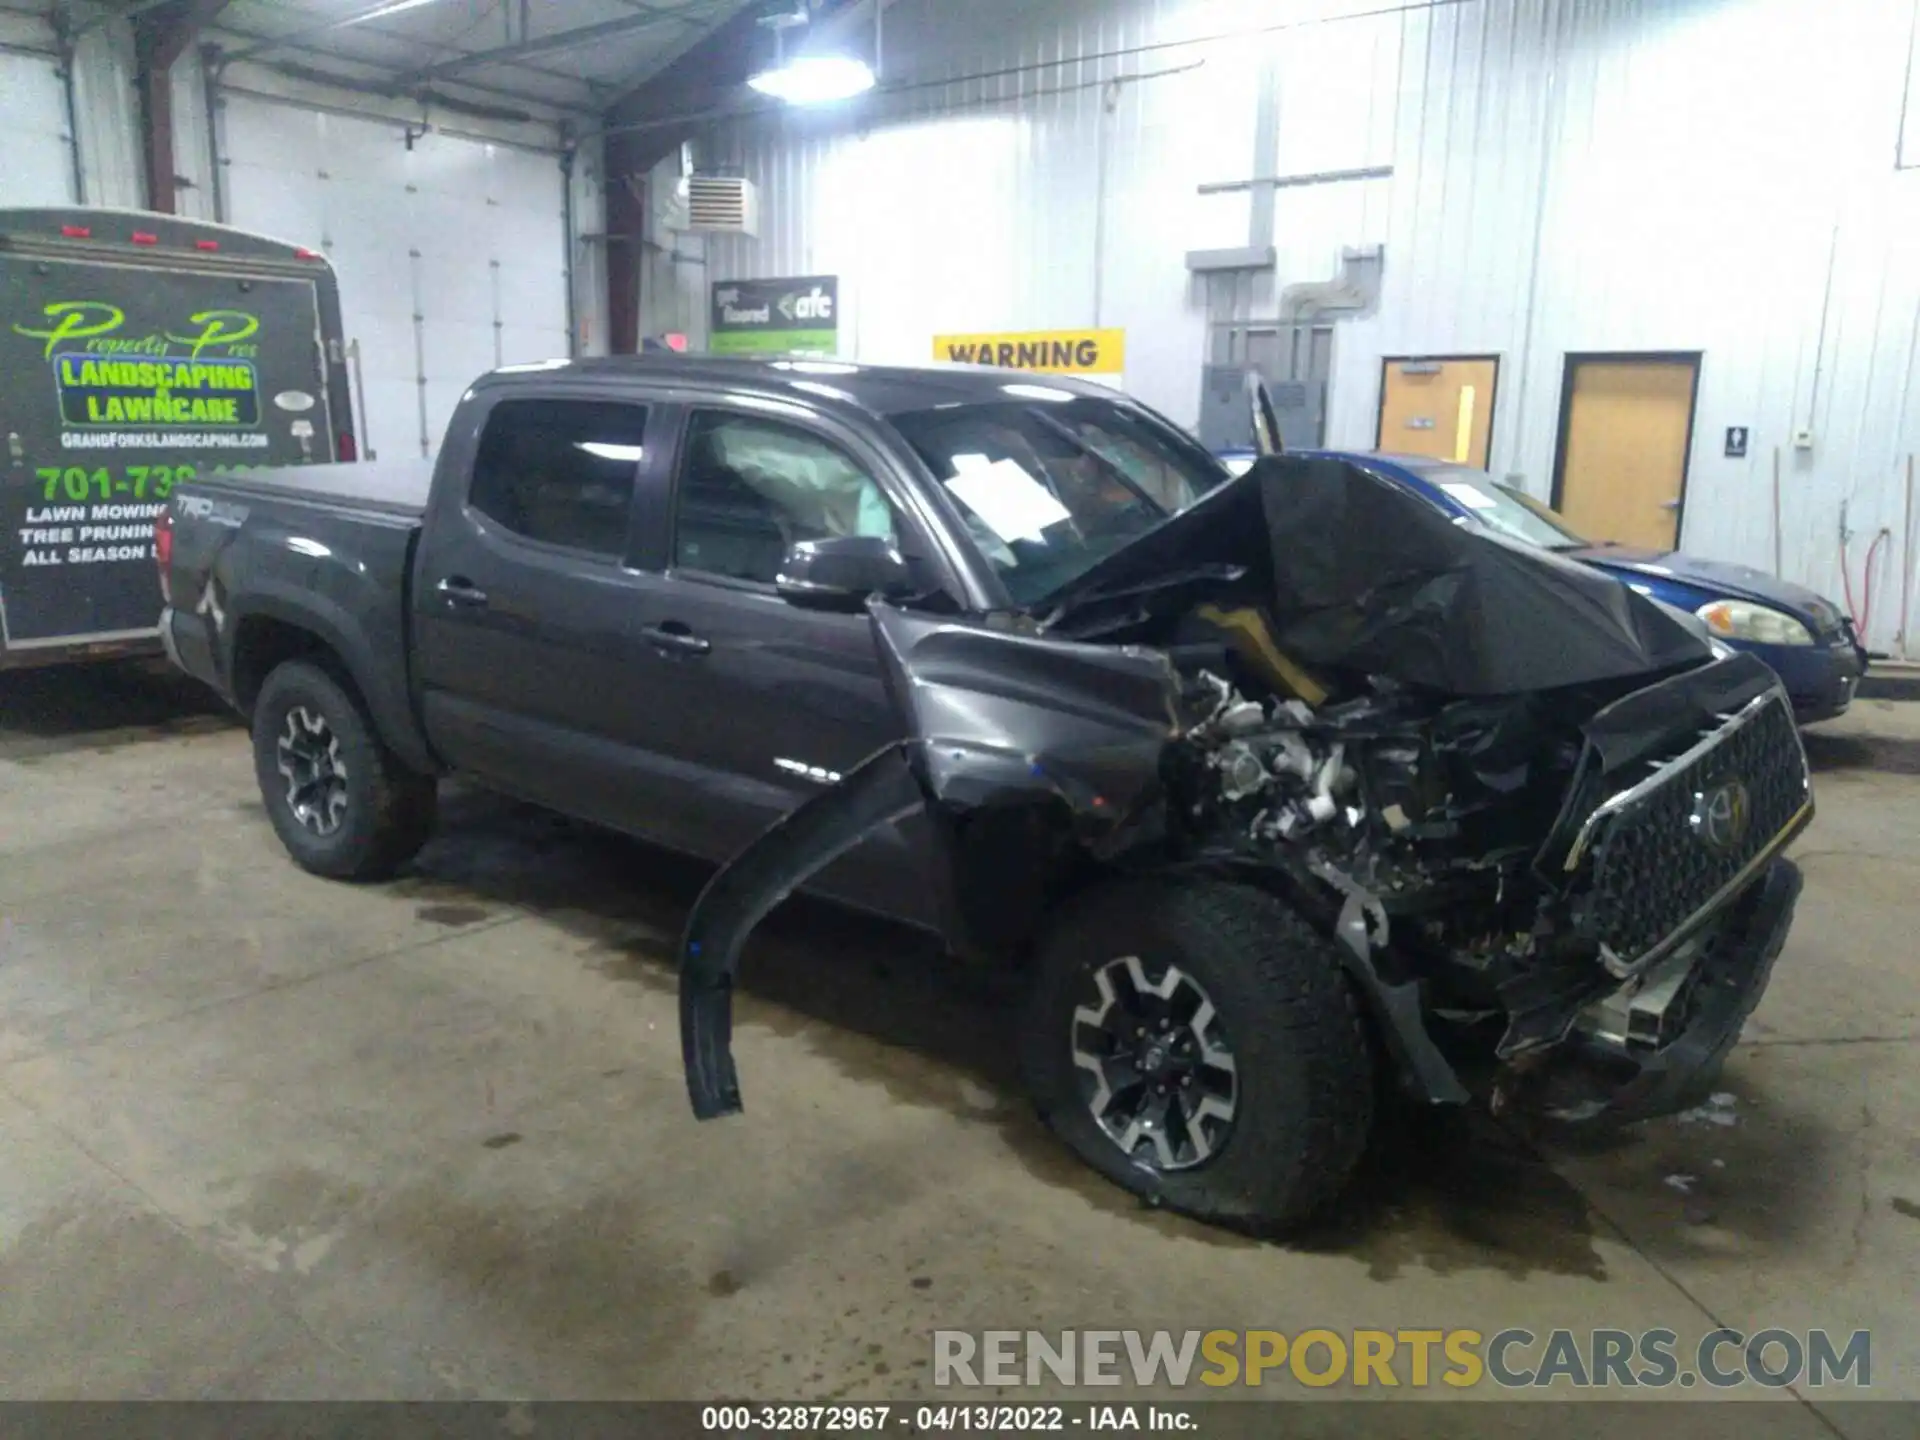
{"points": [[1512, 1359]]}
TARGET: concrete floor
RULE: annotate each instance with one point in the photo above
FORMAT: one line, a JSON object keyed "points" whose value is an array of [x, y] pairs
{"points": [[266, 1136]]}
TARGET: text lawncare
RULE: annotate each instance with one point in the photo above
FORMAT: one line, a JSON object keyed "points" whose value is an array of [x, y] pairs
{"points": [[95, 391]]}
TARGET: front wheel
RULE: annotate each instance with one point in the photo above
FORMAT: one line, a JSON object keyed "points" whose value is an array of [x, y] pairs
{"points": [[1199, 1044], [339, 799]]}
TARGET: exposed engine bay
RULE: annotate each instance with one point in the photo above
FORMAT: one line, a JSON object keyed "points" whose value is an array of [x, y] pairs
{"points": [[1434, 836], [1539, 816]]}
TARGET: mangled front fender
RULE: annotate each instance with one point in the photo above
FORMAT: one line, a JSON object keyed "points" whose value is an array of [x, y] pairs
{"points": [[881, 790], [992, 720]]}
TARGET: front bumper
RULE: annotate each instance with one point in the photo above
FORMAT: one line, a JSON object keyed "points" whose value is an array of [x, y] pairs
{"points": [[1669, 1051], [1820, 680]]}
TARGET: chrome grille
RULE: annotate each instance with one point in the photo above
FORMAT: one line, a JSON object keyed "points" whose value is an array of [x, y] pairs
{"points": [[1660, 856]]}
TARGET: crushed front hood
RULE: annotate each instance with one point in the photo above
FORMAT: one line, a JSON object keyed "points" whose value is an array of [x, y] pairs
{"points": [[1358, 575]]}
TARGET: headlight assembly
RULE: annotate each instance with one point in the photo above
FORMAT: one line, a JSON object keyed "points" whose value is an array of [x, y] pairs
{"points": [[1744, 620]]}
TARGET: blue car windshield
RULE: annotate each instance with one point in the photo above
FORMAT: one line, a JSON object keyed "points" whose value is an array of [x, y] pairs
{"points": [[1499, 508]]}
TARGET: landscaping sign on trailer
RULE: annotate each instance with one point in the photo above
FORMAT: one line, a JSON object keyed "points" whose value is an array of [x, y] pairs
{"points": [[137, 352]]}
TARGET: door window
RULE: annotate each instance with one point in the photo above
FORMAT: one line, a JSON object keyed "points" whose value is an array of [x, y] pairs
{"points": [[751, 488], [560, 471]]}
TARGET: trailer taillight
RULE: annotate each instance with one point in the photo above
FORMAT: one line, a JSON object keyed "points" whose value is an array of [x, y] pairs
{"points": [[163, 553], [76, 232], [347, 449]]}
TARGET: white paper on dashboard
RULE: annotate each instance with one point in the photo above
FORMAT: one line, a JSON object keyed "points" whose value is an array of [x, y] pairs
{"points": [[1471, 496], [1008, 500]]}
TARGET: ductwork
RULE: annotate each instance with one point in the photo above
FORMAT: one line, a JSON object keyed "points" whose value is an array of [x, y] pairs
{"points": [[1355, 290]]}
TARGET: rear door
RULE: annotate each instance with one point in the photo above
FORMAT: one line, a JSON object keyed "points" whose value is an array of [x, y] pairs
{"points": [[123, 378], [533, 671]]}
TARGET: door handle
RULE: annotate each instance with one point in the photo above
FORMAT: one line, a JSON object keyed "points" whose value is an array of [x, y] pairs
{"points": [[1669, 504], [676, 637], [458, 590]]}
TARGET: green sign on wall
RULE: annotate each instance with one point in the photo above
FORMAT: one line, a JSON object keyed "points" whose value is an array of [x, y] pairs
{"points": [[776, 317]]}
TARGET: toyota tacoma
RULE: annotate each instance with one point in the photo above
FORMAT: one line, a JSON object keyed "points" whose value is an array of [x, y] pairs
{"points": [[1279, 790]]}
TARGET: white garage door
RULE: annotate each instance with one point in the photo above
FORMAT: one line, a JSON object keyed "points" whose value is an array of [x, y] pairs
{"points": [[451, 253], [36, 167]]}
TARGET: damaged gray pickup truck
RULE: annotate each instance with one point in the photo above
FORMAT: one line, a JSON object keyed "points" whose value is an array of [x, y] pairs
{"points": [[1306, 785], [1279, 789]]}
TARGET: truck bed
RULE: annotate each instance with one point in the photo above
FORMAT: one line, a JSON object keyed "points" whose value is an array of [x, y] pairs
{"points": [[326, 547], [396, 487]]}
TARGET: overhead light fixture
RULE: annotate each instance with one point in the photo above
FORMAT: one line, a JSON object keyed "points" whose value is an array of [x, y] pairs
{"points": [[815, 79]]}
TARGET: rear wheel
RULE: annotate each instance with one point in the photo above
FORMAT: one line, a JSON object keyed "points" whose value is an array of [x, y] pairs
{"points": [[339, 799], [1199, 1044]]}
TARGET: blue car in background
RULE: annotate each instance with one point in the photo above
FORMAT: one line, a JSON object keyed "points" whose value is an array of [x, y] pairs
{"points": [[1809, 641]]}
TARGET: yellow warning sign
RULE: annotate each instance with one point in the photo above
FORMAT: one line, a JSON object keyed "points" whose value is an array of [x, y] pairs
{"points": [[1054, 352]]}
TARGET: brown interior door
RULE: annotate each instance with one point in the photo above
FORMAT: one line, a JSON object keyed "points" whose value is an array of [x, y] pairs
{"points": [[1437, 407], [1625, 430]]}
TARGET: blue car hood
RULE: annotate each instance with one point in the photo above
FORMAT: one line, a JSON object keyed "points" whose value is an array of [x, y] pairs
{"points": [[1721, 577]]}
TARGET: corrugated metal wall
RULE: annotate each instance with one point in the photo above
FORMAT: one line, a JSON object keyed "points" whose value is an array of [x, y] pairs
{"points": [[1569, 176]]}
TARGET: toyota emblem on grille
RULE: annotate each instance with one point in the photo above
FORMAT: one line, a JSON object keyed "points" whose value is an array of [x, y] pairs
{"points": [[1721, 814]]}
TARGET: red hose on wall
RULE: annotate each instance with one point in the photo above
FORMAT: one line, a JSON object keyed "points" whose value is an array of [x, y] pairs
{"points": [[1862, 614]]}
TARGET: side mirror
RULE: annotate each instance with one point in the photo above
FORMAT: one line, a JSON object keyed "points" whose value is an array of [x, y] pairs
{"points": [[841, 573]]}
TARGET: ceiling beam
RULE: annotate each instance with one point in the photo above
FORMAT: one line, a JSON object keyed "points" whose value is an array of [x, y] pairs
{"points": [[585, 106], [162, 31], [394, 32], [161, 35], [651, 120], [312, 32], [577, 39]]}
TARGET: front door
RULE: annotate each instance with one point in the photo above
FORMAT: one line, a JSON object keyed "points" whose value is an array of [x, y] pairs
{"points": [[1439, 406], [1626, 426], [773, 702]]}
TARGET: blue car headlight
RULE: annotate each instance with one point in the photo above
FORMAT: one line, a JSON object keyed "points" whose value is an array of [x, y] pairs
{"points": [[1760, 624]]}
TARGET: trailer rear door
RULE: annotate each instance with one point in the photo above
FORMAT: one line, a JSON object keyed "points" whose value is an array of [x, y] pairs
{"points": [[120, 376]]}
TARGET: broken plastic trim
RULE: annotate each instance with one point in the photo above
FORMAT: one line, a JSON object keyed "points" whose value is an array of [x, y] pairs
{"points": [[1362, 928], [881, 789]]}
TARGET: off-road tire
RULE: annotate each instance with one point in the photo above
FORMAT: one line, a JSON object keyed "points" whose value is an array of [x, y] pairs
{"points": [[1303, 1060], [390, 809]]}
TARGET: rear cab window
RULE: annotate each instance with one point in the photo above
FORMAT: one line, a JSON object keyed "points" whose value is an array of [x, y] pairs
{"points": [[561, 472]]}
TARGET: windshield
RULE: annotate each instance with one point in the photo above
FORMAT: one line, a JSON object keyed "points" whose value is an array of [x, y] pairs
{"points": [[1501, 508], [1051, 486]]}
